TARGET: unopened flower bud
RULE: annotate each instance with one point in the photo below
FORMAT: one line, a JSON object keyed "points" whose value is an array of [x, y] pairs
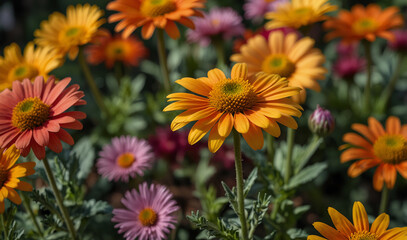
{"points": [[321, 122]]}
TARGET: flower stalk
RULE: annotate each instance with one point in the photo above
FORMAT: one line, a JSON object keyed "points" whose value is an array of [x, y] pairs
{"points": [[3, 226], [59, 199], [270, 149], [290, 147], [163, 60], [27, 206], [239, 184], [384, 199], [368, 54]]}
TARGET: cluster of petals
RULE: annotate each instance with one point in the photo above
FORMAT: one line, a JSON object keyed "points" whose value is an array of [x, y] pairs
{"points": [[221, 23], [376, 146], [10, 172], [150, 14], [364, 23], [360, 228], [219, 104], [57, 98], [155, 198]]}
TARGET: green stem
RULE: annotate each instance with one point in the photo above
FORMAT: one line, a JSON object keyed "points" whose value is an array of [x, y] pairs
{"points": [[118, 71], [58, 198], [239, 184], [270, 149], [369, 63], [91, 82], [392, 84], [384, 200], [3, 226], [220, 51], [274, 212], [28, 208], [290, 147], [163, 60]]}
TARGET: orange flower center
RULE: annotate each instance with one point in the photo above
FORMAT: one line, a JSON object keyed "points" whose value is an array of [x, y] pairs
{"points": [[23, 71], [278, 64], [30, 113], [3, 177], [363, 236], [232, 95], [391, 148], [147, 217], [116, 50], [155, 8], [71, 35], [125, 160], [364, 26]]}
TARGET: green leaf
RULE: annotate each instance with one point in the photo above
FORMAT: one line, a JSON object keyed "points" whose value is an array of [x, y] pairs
{"points": [[304, 155], [85, 153], [231, 195], [248, 184], [296, 234], [306, 175]]}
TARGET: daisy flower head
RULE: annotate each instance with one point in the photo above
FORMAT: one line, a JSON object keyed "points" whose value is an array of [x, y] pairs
{"points": [[34, 115], [151, 14], [149, 213], [126, 157], [223, 23], [287, 55], [360, 229], [299, 13], [67, 33], [10, 172], [219, 104], [110, 49], [364, 23], [256, 9], [376, 146], [30, 64]]}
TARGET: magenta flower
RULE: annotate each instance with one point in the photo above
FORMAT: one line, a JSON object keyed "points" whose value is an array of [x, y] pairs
{"points": [[347, 67], [124, 158], [149, 214], [256, 9], [222, 23], [321, 122], [400, 41]]}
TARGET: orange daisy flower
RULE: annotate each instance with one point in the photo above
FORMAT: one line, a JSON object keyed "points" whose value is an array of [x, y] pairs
{"points": [[360, 229], [154, 13], [364, 23], [10, 172], [286, 55], [33, 115], [109, 49], [221, 104], [377, 146]]}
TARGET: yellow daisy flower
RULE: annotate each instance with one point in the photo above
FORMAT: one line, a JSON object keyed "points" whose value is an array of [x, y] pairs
{"points": [[286, 55], [360, 229], [220, 104], [33, 63], [67, 33], [10, 174], [298, 13]]}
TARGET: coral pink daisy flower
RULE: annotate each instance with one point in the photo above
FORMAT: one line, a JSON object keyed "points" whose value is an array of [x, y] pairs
{"points": [[125, 157], [149, 214], [32, 115]]}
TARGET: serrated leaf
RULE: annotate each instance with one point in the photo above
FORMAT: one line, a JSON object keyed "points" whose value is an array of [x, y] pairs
{"points": [[248, 183], [306, 175], [304, 155], [85, 154], [231, 196]]}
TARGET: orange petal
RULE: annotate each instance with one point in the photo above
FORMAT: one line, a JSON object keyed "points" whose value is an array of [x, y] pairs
{"points": [[202, 127], [378, 179], [225, 124], [380, 224], [389, 175], [361, 166], [13, 196], [393, 125], [215, 141], [341, 222], [239, 70], [172, 30], [254, 137], [364, 130], [257, 118], [216, 75], [360, 219], [376, 127], [241, 123], [273, 129], [328, 231], [195, 85]]}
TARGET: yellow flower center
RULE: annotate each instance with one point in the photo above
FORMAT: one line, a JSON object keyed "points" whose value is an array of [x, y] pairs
{"points": [[391, 148], [232, 95], [23, 71], [71, 35], [364, 26], [125, 160], [278, 64], [116, 50], [363, 236], [303, 12], [3, 177], [155, 8], [147, 217], [30, 113]]}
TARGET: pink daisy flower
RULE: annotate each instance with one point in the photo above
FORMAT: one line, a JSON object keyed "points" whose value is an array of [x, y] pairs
{"points": [[125, 157], [149, 214], [219, 22], [256, 9], [32, 115]]}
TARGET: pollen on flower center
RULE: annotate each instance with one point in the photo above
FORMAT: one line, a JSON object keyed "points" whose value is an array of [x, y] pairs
{"points": [[391, 148], [363, 236], [147, 217], [30, 113], [364, 25], [232, 95], [125, 160], [22, 71], [155, 8], [71, 34], [3, 177], [278, 64]]}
